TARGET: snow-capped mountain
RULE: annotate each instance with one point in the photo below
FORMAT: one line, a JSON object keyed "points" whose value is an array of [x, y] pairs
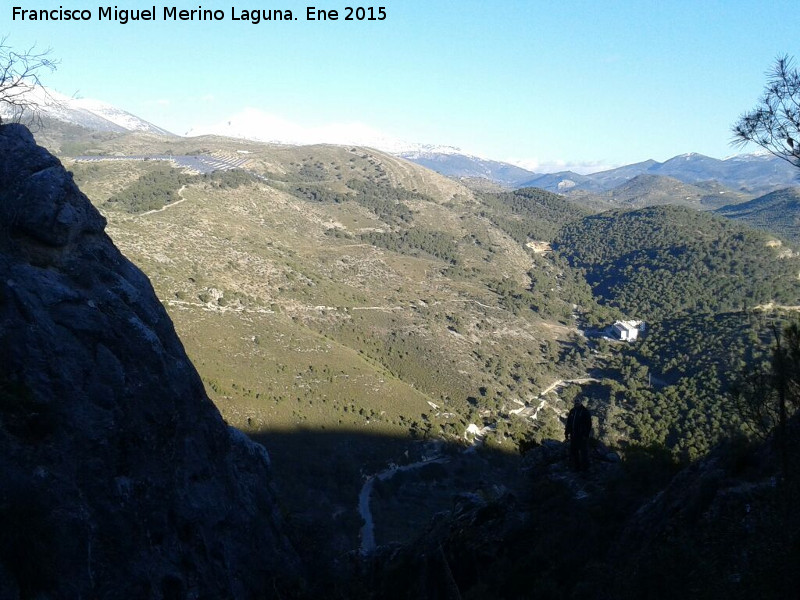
{"points": [[756, 173], [454, 163], [257, 125], [428, 150], [91, 114]]}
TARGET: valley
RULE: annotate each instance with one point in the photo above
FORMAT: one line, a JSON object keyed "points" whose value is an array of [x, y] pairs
{"points": [[450, 302], [363, 318], [339, 287], [295, 288]]}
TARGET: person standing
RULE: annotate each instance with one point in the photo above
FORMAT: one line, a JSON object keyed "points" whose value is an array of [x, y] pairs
{"points": [[576, 432]]}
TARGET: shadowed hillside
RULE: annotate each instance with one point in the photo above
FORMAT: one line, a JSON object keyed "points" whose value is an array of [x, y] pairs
{"points": [[451, 523], [777, 212]]}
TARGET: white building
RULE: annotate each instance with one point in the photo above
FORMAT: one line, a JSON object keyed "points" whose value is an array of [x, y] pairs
{"points": [[627, 331]]}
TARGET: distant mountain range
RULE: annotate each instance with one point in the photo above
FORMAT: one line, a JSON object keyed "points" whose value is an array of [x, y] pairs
{"points": [[752, 174], [651, 190], [749, 175], [462, 166]]}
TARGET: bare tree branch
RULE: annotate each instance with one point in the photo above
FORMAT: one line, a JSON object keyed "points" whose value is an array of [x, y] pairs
{"points": [[775, 123], [19, 76]]}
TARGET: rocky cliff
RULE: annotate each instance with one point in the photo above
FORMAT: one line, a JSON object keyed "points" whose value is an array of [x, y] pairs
{"points": [[725, 526], [118, 477]]}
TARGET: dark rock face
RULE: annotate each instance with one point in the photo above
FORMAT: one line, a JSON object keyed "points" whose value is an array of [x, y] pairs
{"points": [[118, 477]]}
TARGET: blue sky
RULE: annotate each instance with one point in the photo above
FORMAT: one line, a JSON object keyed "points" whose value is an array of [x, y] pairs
{"points": [[548, 84]]}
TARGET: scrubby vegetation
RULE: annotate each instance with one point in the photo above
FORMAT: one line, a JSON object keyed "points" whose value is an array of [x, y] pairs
{"points": [[162, 184], [456, 307], [151, 190], [415, 241]]}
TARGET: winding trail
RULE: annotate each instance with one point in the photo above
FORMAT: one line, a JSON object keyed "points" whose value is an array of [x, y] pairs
{"points": [[368, 529], [532, 412], [166, 206], [772, 306]]}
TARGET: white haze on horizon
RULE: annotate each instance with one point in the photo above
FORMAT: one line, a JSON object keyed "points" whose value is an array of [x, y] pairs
{"points": [[257, 125]]}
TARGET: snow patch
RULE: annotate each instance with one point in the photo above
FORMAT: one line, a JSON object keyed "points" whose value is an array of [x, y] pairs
{"points": [[83, 112]]}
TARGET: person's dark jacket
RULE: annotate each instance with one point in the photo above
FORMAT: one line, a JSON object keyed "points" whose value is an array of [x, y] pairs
{"points": [[579, 423]]}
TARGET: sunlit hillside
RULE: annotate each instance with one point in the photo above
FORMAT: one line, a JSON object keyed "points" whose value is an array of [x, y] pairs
{"points": [[343, 287]]}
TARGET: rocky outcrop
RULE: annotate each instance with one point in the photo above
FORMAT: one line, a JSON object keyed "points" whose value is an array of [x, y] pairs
{"points": [[118, 477], [726, 526]]}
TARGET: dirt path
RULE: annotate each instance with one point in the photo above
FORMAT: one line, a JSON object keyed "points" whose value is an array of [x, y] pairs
{"points": [[533, 411], [166, 206], [368, 529], [773, 306]]}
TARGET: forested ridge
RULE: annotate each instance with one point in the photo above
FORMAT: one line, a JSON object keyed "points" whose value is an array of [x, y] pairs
{"points": [[675, 387], [660, 262], [777, 212], [695, 280], [529, 213]]}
